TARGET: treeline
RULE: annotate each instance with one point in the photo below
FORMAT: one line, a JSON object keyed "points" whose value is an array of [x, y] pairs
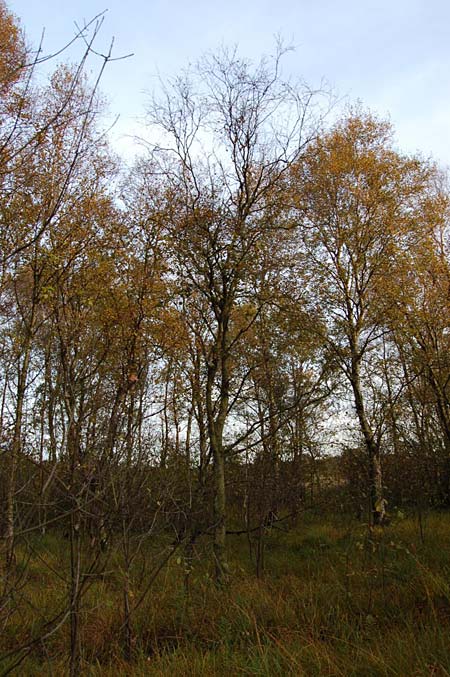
{"points": [[253, 319]]}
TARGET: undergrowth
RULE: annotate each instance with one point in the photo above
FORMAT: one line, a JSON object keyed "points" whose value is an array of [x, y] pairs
{"points": [[336, 599]]}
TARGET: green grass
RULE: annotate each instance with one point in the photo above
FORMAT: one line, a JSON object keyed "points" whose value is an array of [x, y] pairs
{"points": [[334, 600]]}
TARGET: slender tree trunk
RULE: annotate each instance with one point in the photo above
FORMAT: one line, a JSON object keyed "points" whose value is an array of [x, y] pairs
{"points": [[16, 446], [443, 412], [127, 622], [74, 596], [73, 451], [372, 448], [216, 414], [126, 546], [219, 514]]}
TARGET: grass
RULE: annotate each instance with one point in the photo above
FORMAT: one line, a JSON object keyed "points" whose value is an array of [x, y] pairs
{"points": [[335, 600]]}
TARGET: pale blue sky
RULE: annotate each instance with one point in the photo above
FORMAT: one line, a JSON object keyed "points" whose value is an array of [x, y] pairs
{"points": [[392, 55]]}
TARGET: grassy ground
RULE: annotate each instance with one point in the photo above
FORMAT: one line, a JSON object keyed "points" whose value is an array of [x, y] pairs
{"points": [[335, 600]]}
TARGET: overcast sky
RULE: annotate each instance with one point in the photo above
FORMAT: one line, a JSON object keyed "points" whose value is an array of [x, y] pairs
{"points": [[393, 55]]}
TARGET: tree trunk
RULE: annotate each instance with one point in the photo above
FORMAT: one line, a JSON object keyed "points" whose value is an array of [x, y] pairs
{"points": [[217, 414], [372, 449], [219, 514], [16, 446]]}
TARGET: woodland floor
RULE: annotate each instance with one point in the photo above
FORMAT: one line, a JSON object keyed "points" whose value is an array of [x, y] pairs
{"points": [[334, 601]]}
